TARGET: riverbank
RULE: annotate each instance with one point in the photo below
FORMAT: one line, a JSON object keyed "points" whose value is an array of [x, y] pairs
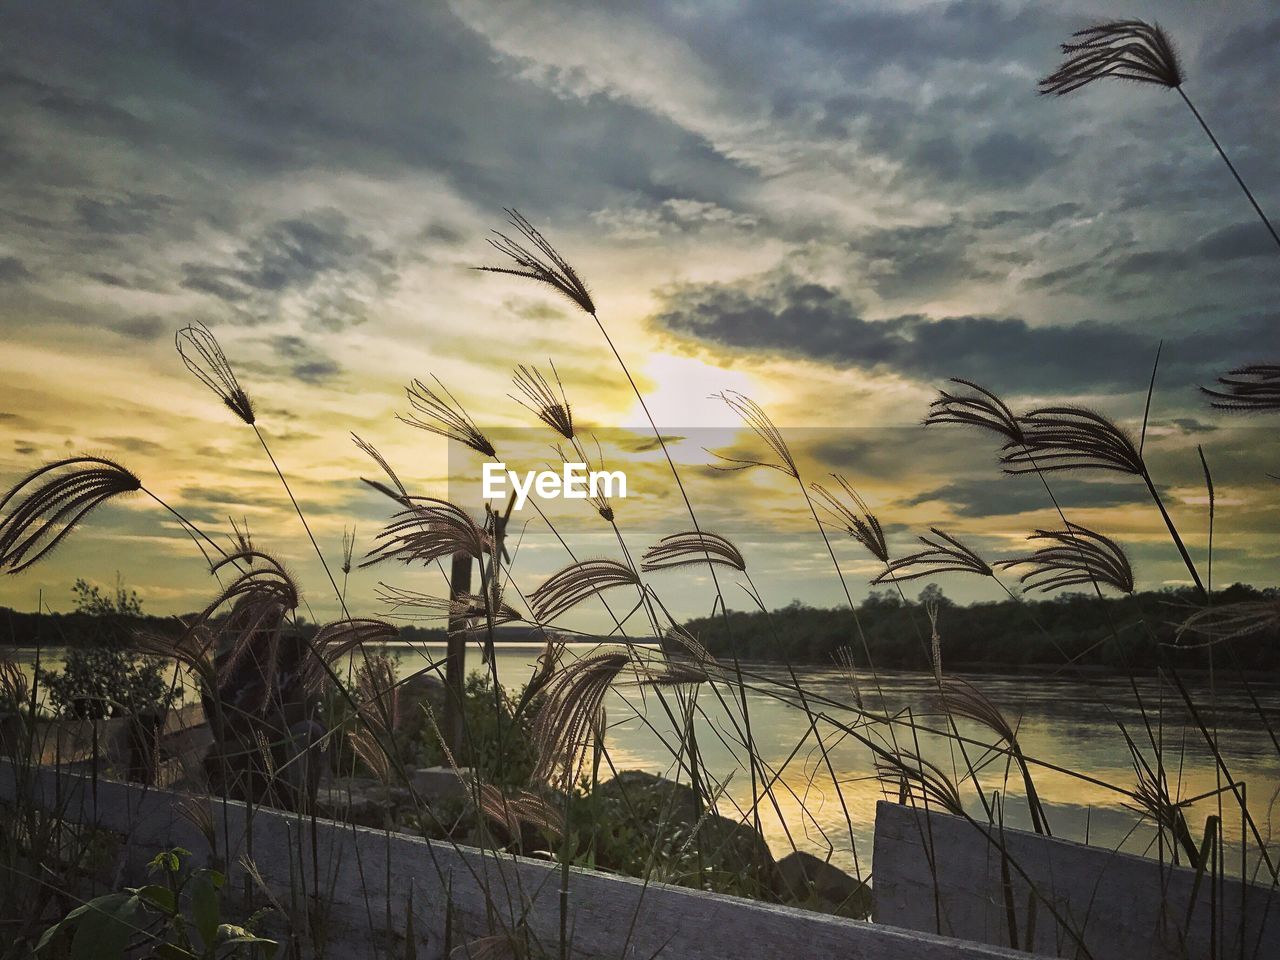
{"points": [[1138, 632]]}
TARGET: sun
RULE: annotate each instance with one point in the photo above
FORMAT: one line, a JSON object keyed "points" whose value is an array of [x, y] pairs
{"points": [[679, 392]]}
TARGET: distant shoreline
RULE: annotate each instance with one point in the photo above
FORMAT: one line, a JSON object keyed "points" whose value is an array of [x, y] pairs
{"points": [[1269, 679], [1067, 635]]}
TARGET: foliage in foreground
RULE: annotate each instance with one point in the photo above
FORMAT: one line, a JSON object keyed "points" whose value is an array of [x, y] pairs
{"points": [[178, 917]]}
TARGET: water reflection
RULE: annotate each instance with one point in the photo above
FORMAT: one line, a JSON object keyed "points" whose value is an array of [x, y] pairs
{"points": [[1069, 723]]}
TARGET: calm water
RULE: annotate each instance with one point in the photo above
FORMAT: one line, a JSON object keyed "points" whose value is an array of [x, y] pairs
{"points": [[1066, 722]]}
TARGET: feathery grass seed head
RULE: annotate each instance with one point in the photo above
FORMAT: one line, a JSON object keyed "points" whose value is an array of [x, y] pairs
{"points": [[533, 257], [1075, 556], [1119, 49], [981, 408], [1072, 438], [857, 521], [753, 416], [580, 581], [1254, 388], [441, 414], [428, 529], [48, 503], [542, 401], [203, 356], [691, 548], [945, 554]]}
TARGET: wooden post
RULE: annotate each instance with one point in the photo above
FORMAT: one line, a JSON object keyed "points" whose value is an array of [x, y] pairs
{"points": [[455, 671]]}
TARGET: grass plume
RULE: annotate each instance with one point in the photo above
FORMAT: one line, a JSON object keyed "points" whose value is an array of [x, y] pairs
{"points": [[47, 504], [1074, 557]]}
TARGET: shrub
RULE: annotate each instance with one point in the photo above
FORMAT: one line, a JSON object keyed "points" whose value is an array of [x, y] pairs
{"points": [[109, 681]]}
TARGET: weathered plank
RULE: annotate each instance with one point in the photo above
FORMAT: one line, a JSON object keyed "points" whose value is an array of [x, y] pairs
{"points": [[944, 874], [367, 877]]}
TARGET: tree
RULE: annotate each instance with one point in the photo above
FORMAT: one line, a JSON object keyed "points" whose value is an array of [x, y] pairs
{"points": [[90, 600], [105, 678], [933, 593]]}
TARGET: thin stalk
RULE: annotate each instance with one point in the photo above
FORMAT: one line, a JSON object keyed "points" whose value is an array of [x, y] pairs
{"points": [[1173, 532], [1230, 166], [337, 591]]}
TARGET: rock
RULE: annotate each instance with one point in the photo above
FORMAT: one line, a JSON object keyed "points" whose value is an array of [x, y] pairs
{"points": [[435, 784], [664, 814], [362, 800], [809, 881]]}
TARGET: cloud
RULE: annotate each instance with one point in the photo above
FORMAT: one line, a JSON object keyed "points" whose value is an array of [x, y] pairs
{"points": [[1000, 496], [317, 260], [1242, 251], [1008, 159], [305, 361], [677, 215], [160, 168], [88, 112], [781, 314], [149, 327], [1238, 242], [12, 269], [132, 213]]}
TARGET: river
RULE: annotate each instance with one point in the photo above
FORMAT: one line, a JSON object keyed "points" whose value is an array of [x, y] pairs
{"points": [[1072, 723]]}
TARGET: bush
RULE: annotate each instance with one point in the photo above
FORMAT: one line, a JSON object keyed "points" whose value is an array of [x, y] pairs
{"points": [[106, 679], [480, 736], [109, 681]]}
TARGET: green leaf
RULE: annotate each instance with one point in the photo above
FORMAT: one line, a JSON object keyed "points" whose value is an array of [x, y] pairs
{"points": [[47, 937], [103, 930], [169, 861], [216, 878], [204, 907], [229, 933], [157, 896], [68, 923]]}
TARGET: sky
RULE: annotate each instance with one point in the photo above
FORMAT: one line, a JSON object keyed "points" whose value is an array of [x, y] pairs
{"points": [[830, 207]]}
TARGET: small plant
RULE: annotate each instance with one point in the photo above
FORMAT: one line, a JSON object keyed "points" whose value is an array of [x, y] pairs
{"points": [[179, 917]]}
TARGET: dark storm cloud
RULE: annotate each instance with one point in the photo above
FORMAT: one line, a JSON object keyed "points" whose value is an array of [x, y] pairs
{"points": [[921, 260], [1008, 159], [1001, 496], [254, 93], [142, 328], [786, 315], [85, 111], [974, 128], [255, 89], [1253, 46], [318, 257], [1242, 251], [136, 131], [13, 269], [132, 213], [1033, 219], [304, 360], [1239, 242]]}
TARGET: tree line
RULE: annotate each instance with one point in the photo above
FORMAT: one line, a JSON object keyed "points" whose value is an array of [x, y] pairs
{"points": [[1139, 631]]}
